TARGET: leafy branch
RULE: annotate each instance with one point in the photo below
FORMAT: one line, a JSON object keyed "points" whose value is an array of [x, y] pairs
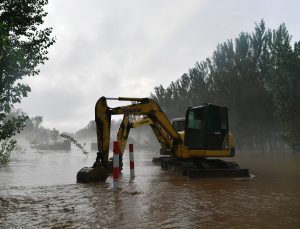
{"points": [[75, 142], [6, 148]]}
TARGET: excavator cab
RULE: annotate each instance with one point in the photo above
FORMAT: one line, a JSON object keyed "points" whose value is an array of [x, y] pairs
{"points": [[206, 127]]}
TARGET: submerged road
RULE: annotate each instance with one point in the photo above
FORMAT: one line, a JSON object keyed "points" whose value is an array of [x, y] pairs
{"points": [[39, 189]]}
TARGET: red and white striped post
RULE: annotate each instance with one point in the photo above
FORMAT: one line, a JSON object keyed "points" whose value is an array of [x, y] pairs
{"points": [[116, 170], [131, 159]]}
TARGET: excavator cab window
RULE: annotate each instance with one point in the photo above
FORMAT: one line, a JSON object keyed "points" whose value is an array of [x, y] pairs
{"points": [[206, 127], [178, 124], [194, 135]]}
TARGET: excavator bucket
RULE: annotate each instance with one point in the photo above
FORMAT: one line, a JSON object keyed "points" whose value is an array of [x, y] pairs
{"points": [[101, 168], [90, 174], [98, 172]]}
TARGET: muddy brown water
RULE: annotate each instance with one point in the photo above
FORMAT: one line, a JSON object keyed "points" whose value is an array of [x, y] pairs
{"points": [[39, 189]]}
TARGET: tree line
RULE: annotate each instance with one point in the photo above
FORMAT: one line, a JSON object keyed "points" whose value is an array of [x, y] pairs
{"points": [[257, 75]]}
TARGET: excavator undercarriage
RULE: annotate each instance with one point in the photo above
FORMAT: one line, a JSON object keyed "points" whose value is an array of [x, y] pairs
{"points": [[203, 135], [200, 167]]}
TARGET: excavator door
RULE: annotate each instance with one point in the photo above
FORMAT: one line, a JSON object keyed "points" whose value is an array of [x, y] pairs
{"points": [[206, 127]]}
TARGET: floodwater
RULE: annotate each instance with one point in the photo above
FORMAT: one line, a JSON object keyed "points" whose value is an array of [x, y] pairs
{"points": [[39, 189]]}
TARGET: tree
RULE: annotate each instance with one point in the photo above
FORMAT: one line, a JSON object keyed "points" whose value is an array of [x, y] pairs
{"points": [[87, 132], [23, 47], [238, 71], [257, 75], [284, 84]]}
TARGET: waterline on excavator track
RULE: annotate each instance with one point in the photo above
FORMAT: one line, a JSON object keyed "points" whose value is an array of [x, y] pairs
{"points": [[200, 167]]}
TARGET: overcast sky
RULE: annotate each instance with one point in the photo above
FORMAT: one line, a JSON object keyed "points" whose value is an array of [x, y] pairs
{"points": [[126, 48]]}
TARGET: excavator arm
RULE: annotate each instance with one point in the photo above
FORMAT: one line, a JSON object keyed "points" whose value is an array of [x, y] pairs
{"points": [[155, 117], [160, 134]]}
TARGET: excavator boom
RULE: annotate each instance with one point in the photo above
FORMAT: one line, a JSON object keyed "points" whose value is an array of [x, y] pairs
{"points": [[156, 118]]}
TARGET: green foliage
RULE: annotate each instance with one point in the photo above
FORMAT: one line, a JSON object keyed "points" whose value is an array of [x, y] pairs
{"points": [[23, 47], [11, 124], [257, 76], [6, 148], [284, 84]]}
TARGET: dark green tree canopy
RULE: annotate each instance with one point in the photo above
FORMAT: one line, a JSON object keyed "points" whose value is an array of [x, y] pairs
{"points": [[24, 46], [257, 75]]}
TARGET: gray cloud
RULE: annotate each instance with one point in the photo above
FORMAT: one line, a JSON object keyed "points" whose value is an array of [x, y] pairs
{"points": [[126, 48]]}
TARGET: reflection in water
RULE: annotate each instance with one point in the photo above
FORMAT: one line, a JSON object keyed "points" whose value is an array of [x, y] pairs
{"points": [[40, 190]]}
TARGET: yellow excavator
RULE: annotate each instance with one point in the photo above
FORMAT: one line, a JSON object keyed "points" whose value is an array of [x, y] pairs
{"points": [[189, 145]]}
